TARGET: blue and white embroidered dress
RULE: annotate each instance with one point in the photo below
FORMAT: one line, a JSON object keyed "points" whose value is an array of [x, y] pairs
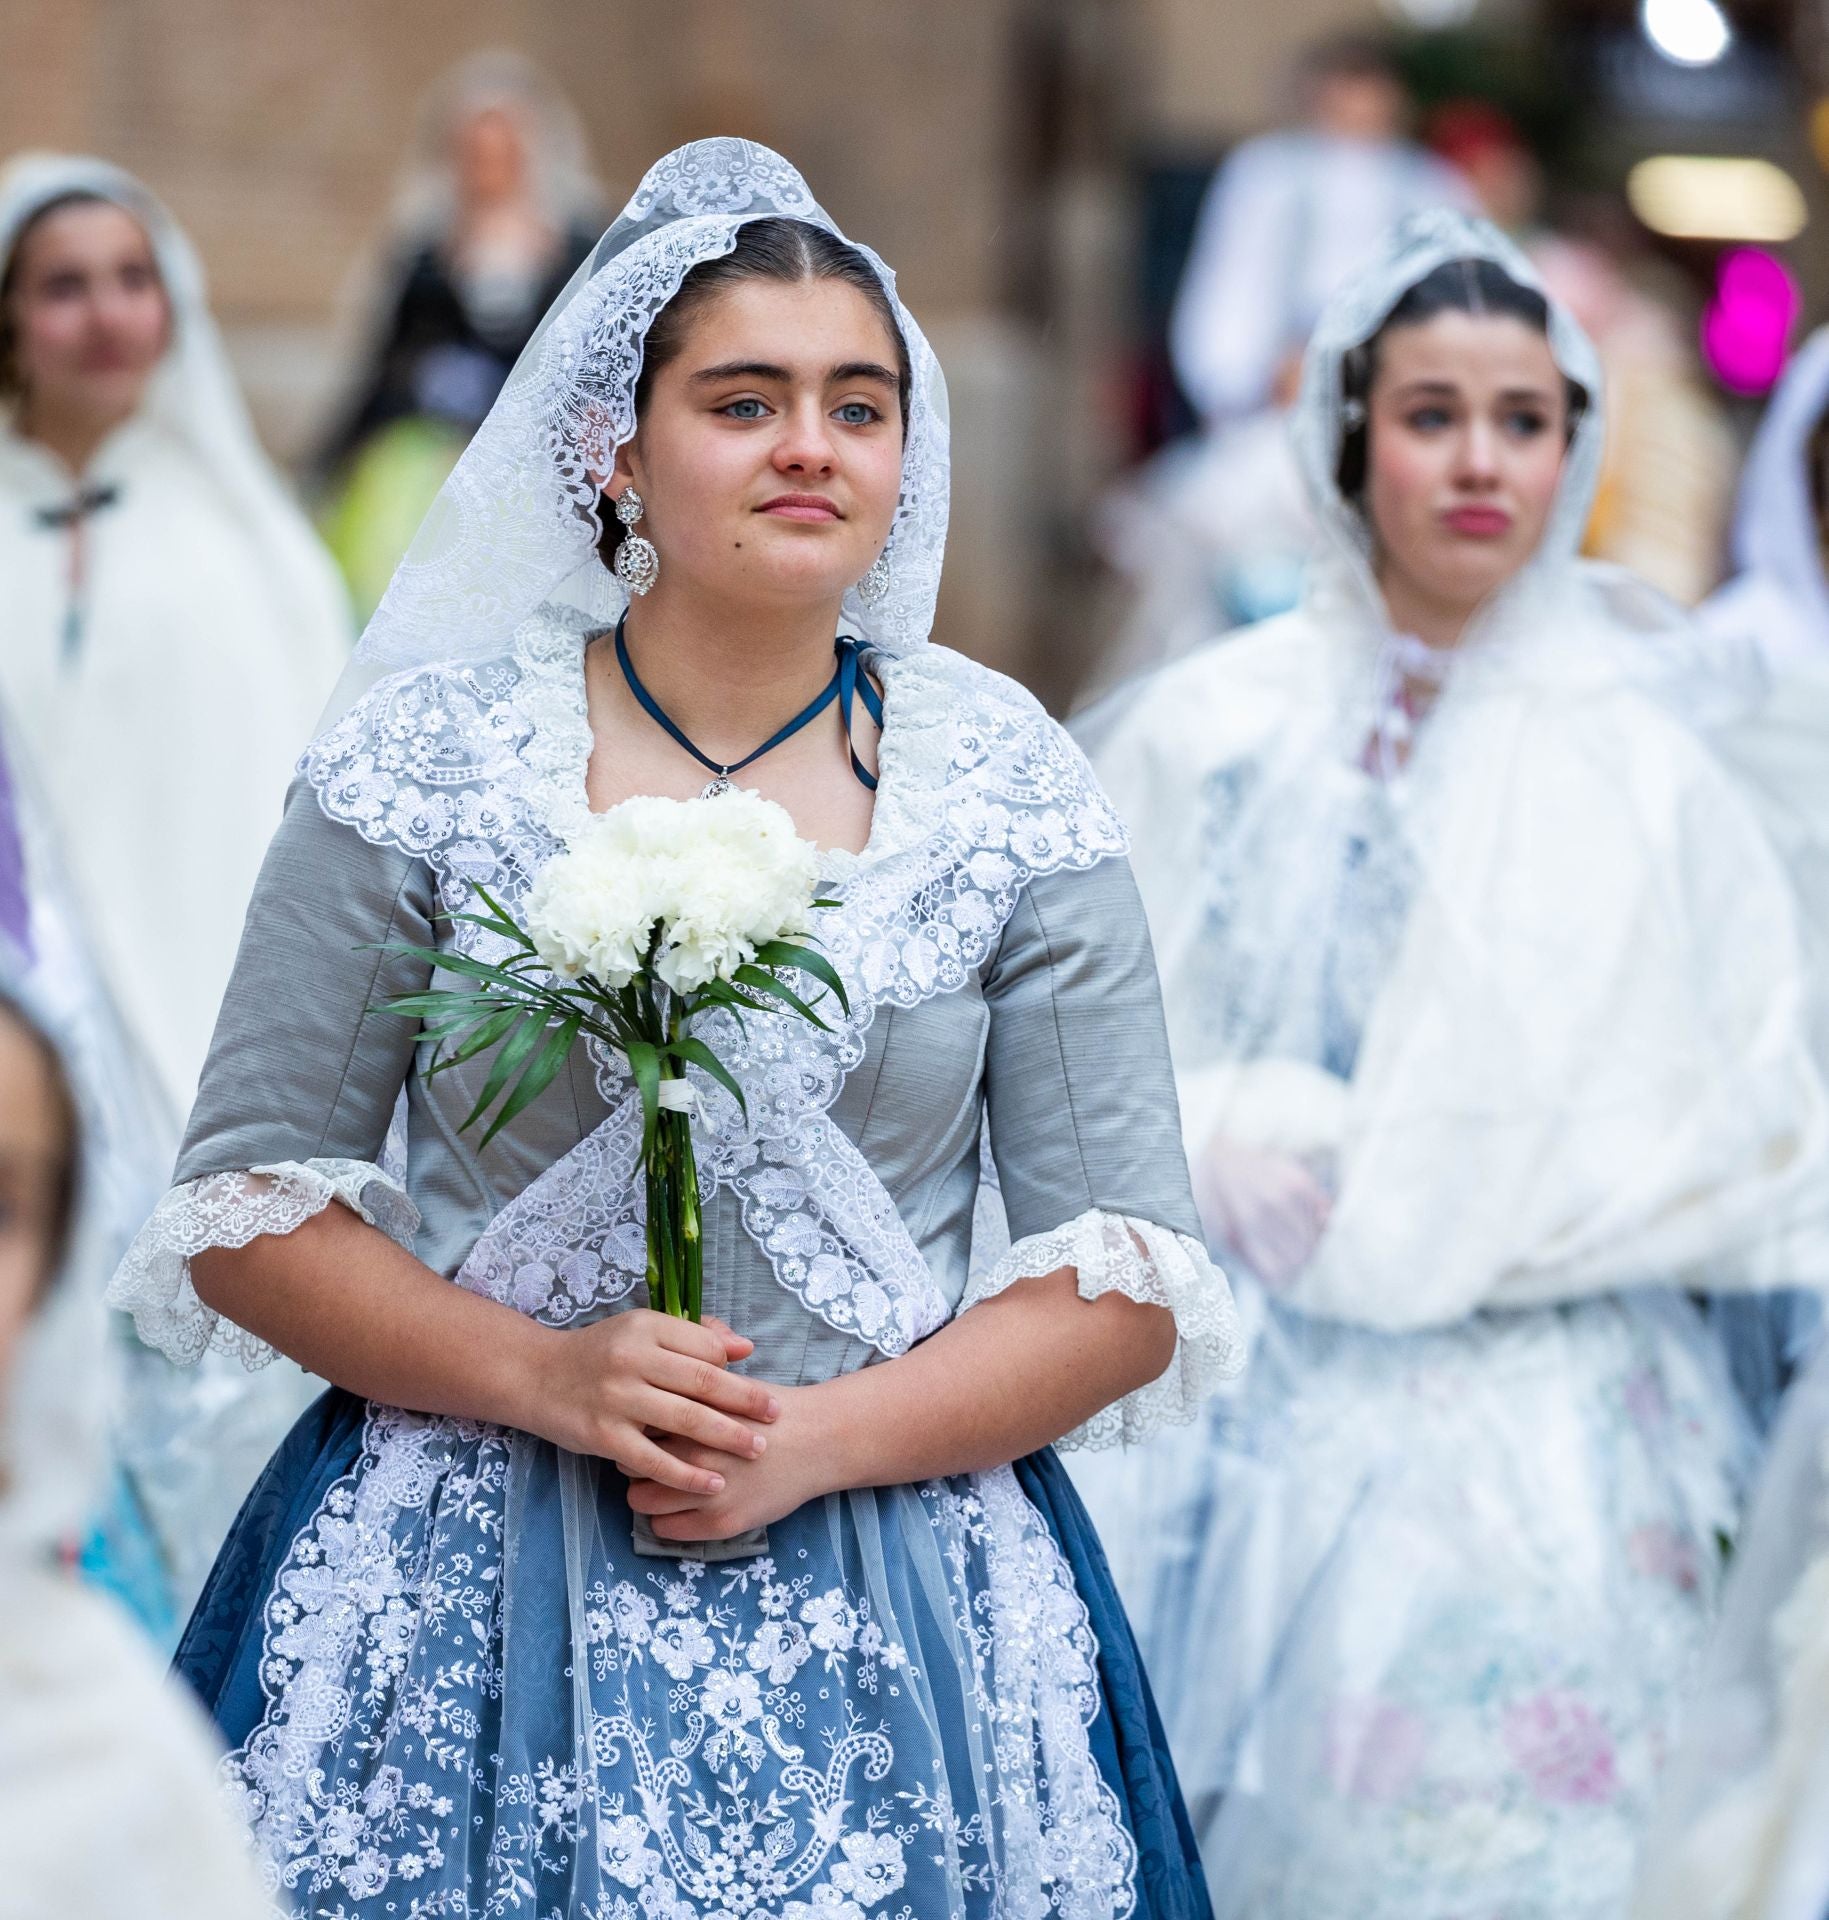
{"points": [[451, 1685]]}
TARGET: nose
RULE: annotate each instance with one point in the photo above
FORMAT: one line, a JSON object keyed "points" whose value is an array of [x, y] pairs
{"points": [[112, 307], [1478, 464], [806, 445]]}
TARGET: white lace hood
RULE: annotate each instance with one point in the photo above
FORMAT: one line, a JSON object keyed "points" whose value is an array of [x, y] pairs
{"points": [[517, 523], [192, 401], [1341, 579]]}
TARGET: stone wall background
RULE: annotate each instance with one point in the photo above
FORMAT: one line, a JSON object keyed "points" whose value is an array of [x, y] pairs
{"points": [[980, 145]]}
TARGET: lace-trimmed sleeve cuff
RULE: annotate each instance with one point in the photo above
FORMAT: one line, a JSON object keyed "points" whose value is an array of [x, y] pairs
{"points": [[1114, 1253], [153, 1283]]}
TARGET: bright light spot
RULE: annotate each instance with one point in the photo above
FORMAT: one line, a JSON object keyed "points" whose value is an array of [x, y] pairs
{"points": [[1693, 33], [1711, 197], [1746, 331]]}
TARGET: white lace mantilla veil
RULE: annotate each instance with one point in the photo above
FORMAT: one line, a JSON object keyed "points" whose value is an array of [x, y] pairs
{"points": [[193, 395], [1530, 994], [516, 526]]}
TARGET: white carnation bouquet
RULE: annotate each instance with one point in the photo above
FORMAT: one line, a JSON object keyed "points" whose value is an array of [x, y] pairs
{"points": [[659, 911]]}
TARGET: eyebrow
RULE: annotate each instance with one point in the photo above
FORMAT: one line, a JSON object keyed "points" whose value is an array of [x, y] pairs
{"points": [[1418, 387], [766, 370]]}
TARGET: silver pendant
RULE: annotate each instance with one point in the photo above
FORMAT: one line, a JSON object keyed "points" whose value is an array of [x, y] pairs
{"points": [[713, 788]]}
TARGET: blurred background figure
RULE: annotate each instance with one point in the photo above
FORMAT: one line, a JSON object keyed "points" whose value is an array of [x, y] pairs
{"points": [[1667, 477], [1210, 534], [1289, 216], [171, 625], [169, 630], [1496, 1019], [108, 1795], [1488, 151], [495, 209], [132, 1135], [1778, 598], [1215, 532], [1743, 1833]]}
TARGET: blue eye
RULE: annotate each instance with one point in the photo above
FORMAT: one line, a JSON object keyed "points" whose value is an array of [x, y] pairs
{"points": [[747, 409], [1427, 419], [858, 413], [1526, 424]]}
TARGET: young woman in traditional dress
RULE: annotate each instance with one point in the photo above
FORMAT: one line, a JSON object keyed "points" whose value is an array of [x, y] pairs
{"points": [[451, 1679], [1489, 993]]}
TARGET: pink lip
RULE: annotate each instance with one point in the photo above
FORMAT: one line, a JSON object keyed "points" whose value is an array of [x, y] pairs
{"points": [[1479, 523], [801, 506]]}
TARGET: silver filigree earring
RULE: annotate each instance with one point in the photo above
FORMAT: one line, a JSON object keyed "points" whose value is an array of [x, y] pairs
{"points": [[873, 588], [637, 560]]}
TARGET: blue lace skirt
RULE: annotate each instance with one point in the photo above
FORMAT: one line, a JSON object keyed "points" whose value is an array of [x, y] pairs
{"points": [[451, 1687]]}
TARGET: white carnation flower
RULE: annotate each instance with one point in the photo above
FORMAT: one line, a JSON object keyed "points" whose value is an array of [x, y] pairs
{"points": [[719, 877]]}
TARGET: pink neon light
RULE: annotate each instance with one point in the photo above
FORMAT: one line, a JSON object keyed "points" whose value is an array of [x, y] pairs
{"points": [[1746, 328]]}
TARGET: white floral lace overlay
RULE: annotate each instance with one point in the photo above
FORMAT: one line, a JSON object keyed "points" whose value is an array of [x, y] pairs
{"points": [[1114, 1253], [153, 1282], [790, 1736]]}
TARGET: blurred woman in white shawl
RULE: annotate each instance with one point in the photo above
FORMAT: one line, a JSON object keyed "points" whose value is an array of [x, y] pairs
{"points": [[171, 623], [1487, 986], [171, 629]]}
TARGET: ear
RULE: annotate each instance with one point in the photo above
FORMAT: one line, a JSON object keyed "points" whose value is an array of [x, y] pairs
{"points": [[625, 469]]}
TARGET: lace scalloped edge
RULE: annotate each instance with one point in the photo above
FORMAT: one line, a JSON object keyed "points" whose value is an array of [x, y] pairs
{"points": [[1115, 1253], [153, 1281]]}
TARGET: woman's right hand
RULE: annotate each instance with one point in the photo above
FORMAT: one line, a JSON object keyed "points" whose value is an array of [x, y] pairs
{"points": [[605, 1388], [1265, 1205]]}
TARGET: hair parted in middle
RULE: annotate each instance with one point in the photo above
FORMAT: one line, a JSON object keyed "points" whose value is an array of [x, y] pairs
{"points": [[1473, 286]]}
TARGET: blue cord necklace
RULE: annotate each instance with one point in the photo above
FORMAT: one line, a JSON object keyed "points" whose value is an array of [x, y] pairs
{"points": [[848, 684]]}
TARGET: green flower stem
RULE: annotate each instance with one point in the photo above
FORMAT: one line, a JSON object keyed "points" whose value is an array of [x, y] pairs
{"points": [[686, 1190], [676, 1253], [657, 1298]]}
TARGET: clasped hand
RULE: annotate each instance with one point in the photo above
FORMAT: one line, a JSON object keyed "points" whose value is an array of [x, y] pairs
{"points": [[654, 1395]]}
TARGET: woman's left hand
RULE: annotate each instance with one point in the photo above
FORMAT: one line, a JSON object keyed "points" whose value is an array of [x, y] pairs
{"points": [[756, 1492]]}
